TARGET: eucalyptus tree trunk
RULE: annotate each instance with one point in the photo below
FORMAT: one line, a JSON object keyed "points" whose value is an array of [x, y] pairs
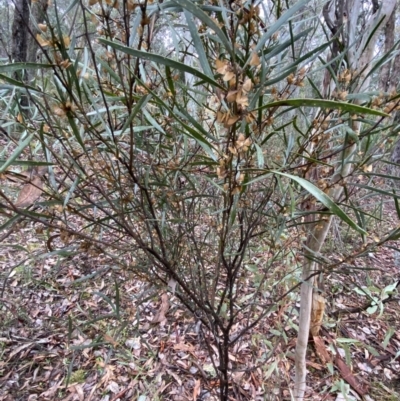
{"points": [[37, 16], [19, 49], [389, 78], [343, 19], [19, 46], [24, 46], [385, 78], [5, 29]]}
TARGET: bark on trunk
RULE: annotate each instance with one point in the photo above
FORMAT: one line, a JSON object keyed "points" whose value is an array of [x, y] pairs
{"points": [[19, 48], [37, 16], [359, 58], [384, 78], [24, 46]]}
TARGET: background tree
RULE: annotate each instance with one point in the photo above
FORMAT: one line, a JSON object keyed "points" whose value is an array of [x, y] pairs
{"points": [[20, 34], [352, 52]]}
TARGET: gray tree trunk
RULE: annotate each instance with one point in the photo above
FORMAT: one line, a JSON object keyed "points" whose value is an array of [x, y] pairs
{"points": [[24, 46], [37, 16], [359, 58], [385, 76], [19, 48]]}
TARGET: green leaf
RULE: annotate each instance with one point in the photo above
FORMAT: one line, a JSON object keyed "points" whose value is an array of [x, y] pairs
{"points": [[396, 203], [388, 336], [71, 6], [10, 222], [71, 191], [108, 300], [352, 135], [347, 341], [203, 59], [371, 35], [117, 299], [376, 190], [190, 132], [16, 153], [384, 59], [203, 17], [324, 199], [153, 122], [185, 115], [277, 25], [278, 49], [139, 105], [17, 84], [280, 77], [26, 163], [187, 130], [75, 130], [161, 60], [106, 66], [315, 87], [327, 104], [23, 66]]}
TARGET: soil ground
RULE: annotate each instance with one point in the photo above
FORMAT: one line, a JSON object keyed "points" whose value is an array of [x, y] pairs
{"points": [[74, 329]]}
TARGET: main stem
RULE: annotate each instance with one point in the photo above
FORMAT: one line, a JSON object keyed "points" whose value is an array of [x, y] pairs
{"points": [[306, 291]]}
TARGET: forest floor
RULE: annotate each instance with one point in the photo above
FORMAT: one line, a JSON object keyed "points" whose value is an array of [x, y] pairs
{"points": [[76, 330]]}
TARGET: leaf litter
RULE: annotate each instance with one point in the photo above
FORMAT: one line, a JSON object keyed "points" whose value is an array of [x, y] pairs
{"points": [[65, 336]]}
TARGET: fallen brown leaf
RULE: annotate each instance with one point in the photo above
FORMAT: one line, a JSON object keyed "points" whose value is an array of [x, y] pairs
{"points": [[30, 193], [196, 390], [52, 391], [321, 350], [160, 315], [349, 377], [184, 347]]}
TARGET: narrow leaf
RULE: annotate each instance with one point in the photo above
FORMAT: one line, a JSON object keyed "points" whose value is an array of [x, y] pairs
{"points": [[161, 60], [198, 45], [139, 105], [16, 153], [278, 24], [328, 104], [203, 17], [324, 199], [23, 66]]}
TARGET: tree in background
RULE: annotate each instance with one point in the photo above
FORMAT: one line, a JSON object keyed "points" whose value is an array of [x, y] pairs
{"points": [[355, 31], [24, 44], [20, 34]]}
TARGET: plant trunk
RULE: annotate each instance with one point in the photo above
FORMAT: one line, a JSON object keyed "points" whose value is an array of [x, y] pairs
{"points": [[24, 46], [359, 59], [37, 16], [306, 292], [384, 74], [19, 48]]}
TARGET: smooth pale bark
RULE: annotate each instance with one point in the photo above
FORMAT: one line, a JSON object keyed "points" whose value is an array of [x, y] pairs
{"points": [[360, 57], [306, 292]]}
